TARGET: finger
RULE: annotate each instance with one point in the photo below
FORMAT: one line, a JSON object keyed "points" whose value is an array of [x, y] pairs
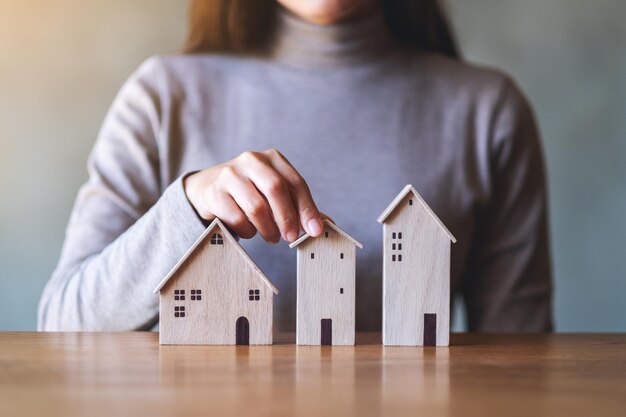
{"points": [[250, 200], [276, 192], [226, 209], [309, 215]]}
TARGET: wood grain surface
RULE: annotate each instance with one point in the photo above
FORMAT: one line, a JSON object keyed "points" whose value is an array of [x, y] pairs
{"points": [[129, 374]]}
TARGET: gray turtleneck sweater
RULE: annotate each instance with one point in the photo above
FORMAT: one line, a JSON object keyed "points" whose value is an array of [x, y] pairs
{"points": [[359, 118]]}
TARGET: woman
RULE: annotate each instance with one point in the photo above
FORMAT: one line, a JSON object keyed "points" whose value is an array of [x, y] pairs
{"points": [[361, 97]]}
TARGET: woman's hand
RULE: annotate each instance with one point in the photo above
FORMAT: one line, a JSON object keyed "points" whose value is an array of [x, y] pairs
{"points": [[256, 192]]}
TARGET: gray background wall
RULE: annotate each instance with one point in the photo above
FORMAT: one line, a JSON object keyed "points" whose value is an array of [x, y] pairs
{"points": [[62, 62]]}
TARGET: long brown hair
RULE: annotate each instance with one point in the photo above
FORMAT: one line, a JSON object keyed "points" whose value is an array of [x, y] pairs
{"points": [[247, 25]]}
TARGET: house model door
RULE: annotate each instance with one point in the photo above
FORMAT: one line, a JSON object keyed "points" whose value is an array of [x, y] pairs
{"points": [[242, 331], [430, 329], [327, 332]]}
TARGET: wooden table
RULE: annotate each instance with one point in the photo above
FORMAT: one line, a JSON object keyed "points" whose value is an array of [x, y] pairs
{"points": [[129, 374]]}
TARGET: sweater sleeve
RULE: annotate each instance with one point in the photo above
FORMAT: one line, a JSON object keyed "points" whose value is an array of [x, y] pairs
{"points": [[508, 284], [126, 230]]}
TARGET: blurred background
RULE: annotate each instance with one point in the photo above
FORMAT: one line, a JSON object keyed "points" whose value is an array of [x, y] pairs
{"points": [[62, 62]]}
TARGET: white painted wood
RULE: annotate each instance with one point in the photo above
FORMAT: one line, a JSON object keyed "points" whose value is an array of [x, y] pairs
{"points": [[224, 274], [319, 287], [420, 283]]}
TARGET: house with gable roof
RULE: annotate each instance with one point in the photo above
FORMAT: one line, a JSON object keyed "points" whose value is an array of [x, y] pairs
{"points": [[416, 273], [325, 300], [216, 295]]}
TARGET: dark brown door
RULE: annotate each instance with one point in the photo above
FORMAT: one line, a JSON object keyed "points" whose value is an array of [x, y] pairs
{"points": [[327, 332], [430, 330], [242, 332]]}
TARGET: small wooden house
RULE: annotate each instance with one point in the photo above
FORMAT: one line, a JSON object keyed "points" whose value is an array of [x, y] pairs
{"points": [[416, 273], [326, 287], [216, 295]]}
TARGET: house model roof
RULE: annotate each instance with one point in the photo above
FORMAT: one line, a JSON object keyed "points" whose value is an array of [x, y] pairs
{"points": [[409, 188], [332, 226], [231, 239]]}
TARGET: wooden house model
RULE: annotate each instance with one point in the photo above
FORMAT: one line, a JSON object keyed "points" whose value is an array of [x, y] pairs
{"points": [[326, 287], [416, 273], [216, 295]]}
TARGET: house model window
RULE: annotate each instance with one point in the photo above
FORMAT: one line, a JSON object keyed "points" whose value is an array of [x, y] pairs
{"points": [[217, 239], [396, 247], [341, 255], [196, 295], [410, 202], [254, 295], [312, 255], [340, 290], [179, 295], [179, 311]]}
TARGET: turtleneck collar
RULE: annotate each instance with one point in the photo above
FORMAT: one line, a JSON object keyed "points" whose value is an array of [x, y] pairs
{"points": [[311, 46]]}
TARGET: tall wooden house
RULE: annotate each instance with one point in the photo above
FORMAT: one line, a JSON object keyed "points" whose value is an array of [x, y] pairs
{"points": [[416, 273], [326, 287], [216, 295]]}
